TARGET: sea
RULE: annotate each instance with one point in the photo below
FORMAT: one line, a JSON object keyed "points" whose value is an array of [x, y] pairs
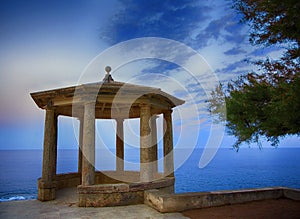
{"points": [[228, 170]]}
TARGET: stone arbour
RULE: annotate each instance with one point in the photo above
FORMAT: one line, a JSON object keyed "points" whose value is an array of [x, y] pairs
{"points": [[105, 100]]}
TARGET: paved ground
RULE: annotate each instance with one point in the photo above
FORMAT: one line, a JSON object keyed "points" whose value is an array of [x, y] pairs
{"points": [[281, 209], [36, 209], [65, 207]]}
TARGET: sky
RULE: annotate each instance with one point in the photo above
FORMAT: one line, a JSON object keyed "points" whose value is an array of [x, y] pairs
{"points": [[52, 44]]}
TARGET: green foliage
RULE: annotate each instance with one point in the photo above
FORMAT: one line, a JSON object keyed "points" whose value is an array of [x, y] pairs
{"points": [[257, 107], [267, 104], [217, 104], [271, 21]]}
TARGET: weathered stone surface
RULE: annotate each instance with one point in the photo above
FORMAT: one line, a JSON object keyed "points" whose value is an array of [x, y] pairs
{"points": [[64, 207], [80, 141], [47, 184], [293, 194], [65, 98], [88, 147], [107, 177], [154, 149], [165, 202], [108, 100], [168, 144], [120, 145], [46, 194], [105, 188], [118, 194], [46, 190], [152, 185], [67, 180], [146, 169], [110, 199]]}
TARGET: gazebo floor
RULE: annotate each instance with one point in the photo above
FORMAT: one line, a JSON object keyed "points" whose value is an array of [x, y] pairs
{"points": [[67, 196]]}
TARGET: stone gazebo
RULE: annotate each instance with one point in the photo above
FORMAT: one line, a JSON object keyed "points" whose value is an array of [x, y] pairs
{"points": [[108, 100]]}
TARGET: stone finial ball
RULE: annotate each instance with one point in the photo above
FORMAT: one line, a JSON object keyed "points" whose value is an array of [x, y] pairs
{"points": [[107, 69]]}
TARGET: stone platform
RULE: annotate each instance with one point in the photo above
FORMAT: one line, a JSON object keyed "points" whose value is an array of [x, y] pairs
{"points": [[109, 189], [65, 206], [118, 194]]}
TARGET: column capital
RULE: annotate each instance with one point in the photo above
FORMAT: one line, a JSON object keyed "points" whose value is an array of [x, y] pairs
{"points": [[89, 102], [143, 105], [154, 116], [80, 117], [119, 119], [50, 108], [169, 111], [87, 97]]}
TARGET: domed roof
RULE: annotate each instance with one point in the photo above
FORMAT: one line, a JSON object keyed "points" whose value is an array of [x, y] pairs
{"points": [[112, 99]]}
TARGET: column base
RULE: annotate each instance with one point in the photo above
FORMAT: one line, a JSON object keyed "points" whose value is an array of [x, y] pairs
{"points": [[46, 190]]}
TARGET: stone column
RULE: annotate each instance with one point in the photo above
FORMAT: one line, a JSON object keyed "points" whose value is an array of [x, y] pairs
{"points": [[146, 170], [88, 145], [168, 144], [154, 150], [80, 141], [47, 184], [119, 145]]}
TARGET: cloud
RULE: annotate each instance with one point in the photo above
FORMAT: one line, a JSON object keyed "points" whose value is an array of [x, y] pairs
{"points": [[235, 51], [169, 19], [212, 31], [195, 23], [238, 67], [224, 28], [54, 55], [263, 52]]}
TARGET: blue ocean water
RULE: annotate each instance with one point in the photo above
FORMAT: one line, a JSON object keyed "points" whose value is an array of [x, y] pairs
{"points": [[248, 168]]}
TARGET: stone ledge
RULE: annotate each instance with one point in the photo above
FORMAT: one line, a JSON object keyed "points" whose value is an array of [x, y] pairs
{"points": [[164, 202], [124, 187], [152, 185], [293, 194], [110, 199], [118, 194], [103, 188]]}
